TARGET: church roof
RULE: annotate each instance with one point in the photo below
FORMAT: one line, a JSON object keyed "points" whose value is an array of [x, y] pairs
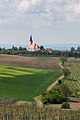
{"points": [[33, 46]]}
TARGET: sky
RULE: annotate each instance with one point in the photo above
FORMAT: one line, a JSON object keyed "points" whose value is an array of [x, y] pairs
{"points": [[48, 21]]}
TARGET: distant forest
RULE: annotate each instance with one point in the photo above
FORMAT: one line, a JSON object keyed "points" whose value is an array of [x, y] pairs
{"points": [[42, 52]]}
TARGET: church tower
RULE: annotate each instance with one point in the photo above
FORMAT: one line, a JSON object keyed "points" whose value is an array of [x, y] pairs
{"points": [[32, 46], [30, 40]]}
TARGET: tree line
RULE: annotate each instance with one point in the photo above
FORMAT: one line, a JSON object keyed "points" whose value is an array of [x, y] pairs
{"points": [[42, 52]]}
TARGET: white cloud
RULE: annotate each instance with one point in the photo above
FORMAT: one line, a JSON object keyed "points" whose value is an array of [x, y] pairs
{"points": [[39, 12], [26, 5], [75, 8], [72, 12], [3, 21]]}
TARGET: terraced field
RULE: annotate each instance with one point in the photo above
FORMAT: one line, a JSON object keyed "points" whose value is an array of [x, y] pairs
{"points": [[74, 80], [25, 83]]}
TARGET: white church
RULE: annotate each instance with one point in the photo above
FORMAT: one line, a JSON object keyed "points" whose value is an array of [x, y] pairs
{"points": [[33, 46]]}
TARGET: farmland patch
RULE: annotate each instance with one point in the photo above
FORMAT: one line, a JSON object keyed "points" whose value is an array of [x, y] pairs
{"points": [[25, 83]]}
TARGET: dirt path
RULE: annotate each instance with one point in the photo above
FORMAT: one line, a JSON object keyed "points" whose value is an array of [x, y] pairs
{"points": [[38, 98], [38, 101], [54, 83]]}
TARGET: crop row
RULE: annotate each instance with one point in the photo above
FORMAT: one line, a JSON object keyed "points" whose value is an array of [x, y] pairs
{"points": [[32, 112], [73, 81]]}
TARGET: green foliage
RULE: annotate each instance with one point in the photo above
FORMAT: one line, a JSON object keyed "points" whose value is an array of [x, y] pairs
{"points": [[20, 48], [59, 81], [42, 47], [42, 52], [66, 72], [78, 48], [63, 59], [72, 49], [65, 105], [64, 89], [54, 96]]}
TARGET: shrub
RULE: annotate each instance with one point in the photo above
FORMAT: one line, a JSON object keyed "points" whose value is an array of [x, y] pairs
{"points": [[64, 89], [45, 97], [65, 105], [53, 97], [57, 97], [59, 81], [63, 60], [66, 72]]}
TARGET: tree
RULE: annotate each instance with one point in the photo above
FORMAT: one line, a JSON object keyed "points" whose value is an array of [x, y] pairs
{"points": [[78, 48], [72, 49], [63, 59], [41, 47], [24, 48], [66, 72], [3, 50], [20, 48], [59, 81], [14, 48], [64, 89], [54, 96], [65, 105]]}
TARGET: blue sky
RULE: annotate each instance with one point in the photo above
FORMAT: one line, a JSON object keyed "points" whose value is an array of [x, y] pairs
{"points": [[49, 21]]}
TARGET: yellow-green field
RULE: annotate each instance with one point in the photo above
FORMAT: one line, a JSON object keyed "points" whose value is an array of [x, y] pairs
{"points": [[24, 83]]}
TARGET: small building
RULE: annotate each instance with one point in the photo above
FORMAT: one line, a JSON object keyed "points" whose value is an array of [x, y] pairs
{"points": [[33, 46], [50, 50]]}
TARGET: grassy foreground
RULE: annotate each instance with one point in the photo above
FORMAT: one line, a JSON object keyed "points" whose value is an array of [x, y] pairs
{"points": [[24, 83]]}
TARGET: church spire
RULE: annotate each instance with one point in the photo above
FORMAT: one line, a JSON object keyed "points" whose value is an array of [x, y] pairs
{"points": [[31, 41]]}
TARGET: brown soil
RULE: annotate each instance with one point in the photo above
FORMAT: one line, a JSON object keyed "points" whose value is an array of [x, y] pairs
{"points": [[73, 105], [50, 63]]}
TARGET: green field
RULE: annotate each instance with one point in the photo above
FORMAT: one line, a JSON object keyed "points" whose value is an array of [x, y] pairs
{"points": [[24, 83], [73, 82]]}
